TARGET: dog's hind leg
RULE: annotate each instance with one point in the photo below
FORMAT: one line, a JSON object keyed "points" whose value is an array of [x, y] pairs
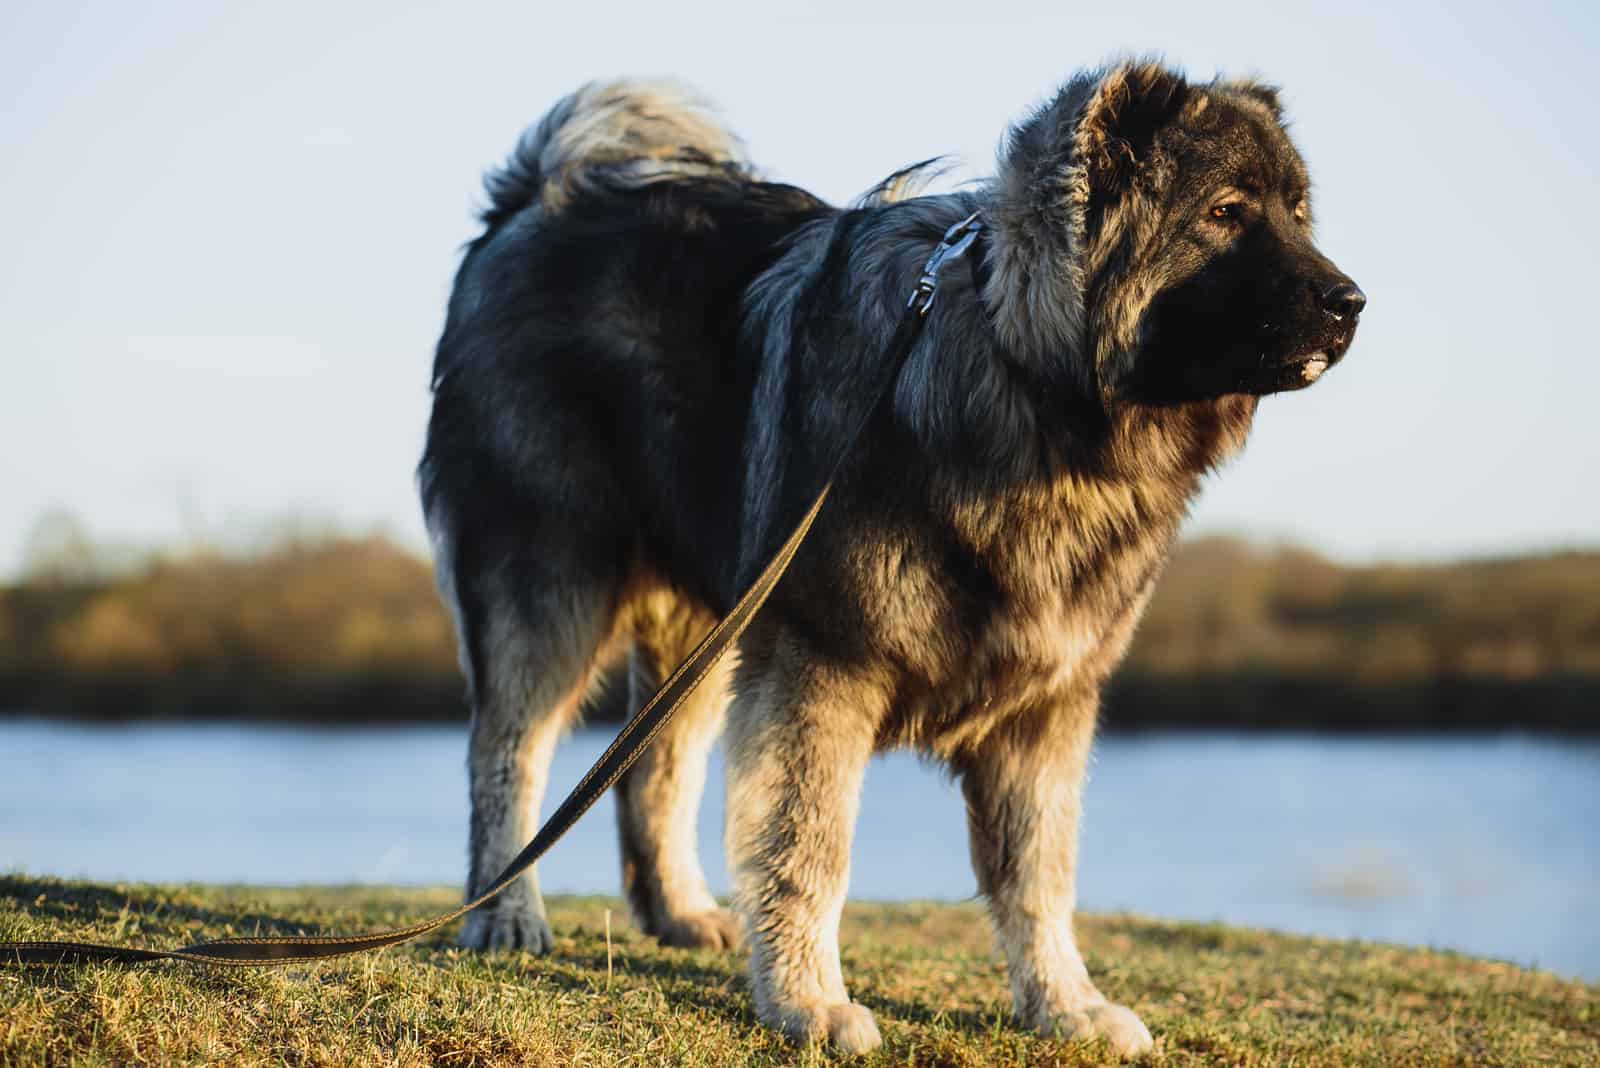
{"points": [[534, 656], [1022, 785], [799, 738], [658, 800]]}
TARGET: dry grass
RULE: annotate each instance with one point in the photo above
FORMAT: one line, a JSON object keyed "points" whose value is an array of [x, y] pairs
{"points": [[1211, 994]]}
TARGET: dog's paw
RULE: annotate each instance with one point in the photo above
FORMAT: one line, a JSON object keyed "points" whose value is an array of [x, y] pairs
{"points": [[851, 1028], [517, 928], [1123, 1031], [847, 1027], [711, 929]]}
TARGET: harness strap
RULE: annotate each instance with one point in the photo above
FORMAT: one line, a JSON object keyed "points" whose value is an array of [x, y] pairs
{"points": [[631, 741]]}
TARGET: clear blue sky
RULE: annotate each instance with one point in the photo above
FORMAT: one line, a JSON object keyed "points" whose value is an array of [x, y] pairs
{"points": [[227, 234]]}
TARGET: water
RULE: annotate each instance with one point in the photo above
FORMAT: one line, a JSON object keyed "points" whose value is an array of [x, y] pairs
{"points": [[1489, 845]]}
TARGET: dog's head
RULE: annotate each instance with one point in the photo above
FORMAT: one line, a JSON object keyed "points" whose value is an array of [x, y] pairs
{"points": [[1153, 241]]}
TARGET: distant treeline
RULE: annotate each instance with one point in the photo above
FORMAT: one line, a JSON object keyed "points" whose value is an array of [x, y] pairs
{"points": [[349, 629]]}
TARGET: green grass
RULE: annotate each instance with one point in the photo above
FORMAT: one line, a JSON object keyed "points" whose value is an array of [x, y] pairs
{"points": [[1210, 994]]}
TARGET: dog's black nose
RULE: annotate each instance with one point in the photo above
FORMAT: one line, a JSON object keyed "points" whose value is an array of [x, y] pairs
{"points": [[1343, 300]]}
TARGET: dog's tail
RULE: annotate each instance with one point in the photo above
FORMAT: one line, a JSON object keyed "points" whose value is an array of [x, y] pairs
{"points": [[631, 131]]}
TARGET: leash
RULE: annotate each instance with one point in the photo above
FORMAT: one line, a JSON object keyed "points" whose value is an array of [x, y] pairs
{"points": [[631, 741]]}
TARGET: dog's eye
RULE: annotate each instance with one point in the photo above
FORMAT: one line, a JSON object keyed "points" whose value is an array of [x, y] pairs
{"points": [[1230, 211]]}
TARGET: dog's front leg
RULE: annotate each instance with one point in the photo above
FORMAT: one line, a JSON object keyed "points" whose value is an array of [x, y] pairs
{"points": [[1023, 785], [798, 742]]}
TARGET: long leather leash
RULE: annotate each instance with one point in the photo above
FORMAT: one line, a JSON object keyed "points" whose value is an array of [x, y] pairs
{"points": [[630, 742]]}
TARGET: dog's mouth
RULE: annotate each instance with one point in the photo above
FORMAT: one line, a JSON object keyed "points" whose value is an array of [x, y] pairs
{"points": [[1306, 367], [1310, 365]]}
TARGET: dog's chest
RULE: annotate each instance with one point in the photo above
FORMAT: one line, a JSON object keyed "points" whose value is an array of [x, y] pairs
{"points": [[1045, 609], [1059, 640]]}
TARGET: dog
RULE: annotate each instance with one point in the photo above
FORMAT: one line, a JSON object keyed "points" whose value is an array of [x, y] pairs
{"points": [[650, 362]]}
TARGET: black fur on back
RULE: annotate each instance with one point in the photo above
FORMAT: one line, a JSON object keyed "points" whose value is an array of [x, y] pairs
{"points": [[613, 401]]}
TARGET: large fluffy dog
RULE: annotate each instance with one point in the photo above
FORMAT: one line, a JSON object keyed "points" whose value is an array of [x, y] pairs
{"points": [[650, 360]]}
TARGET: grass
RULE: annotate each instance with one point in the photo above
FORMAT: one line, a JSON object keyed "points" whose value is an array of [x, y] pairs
{"points": [[1211, 994]]}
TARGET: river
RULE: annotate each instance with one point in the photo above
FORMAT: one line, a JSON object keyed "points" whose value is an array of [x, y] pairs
{"points": [[1485, 844]]}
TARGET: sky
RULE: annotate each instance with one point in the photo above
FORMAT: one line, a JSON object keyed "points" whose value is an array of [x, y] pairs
{"points": [[228, 231]]}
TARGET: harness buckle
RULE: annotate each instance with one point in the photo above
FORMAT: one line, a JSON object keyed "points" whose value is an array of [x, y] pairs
{"points": [[955, 243]]}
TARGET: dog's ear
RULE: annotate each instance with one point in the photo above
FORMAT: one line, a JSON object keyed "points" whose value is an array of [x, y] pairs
{"points": [[1257, 93], [1265, 95], [1117, 129]]}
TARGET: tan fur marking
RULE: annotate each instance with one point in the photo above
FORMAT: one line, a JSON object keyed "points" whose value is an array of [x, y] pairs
{"points": [[645, 130], [658, 800]]}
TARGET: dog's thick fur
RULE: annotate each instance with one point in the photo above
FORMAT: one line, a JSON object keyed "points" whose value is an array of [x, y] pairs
{"points": [[650, 360]]}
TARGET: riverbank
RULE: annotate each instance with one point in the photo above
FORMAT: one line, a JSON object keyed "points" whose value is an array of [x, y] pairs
{"points": [[350, 630], [1211, 994]]}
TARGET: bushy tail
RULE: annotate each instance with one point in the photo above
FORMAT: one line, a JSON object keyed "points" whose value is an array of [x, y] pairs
{"points": [[632, 130]]}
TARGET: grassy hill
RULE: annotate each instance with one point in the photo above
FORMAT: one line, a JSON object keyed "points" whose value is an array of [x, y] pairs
{"points": [[1212, 995]]}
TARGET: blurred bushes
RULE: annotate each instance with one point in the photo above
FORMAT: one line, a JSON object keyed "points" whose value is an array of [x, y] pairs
{"points": [[338, 628], [1240, 635], [349, 629]]}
